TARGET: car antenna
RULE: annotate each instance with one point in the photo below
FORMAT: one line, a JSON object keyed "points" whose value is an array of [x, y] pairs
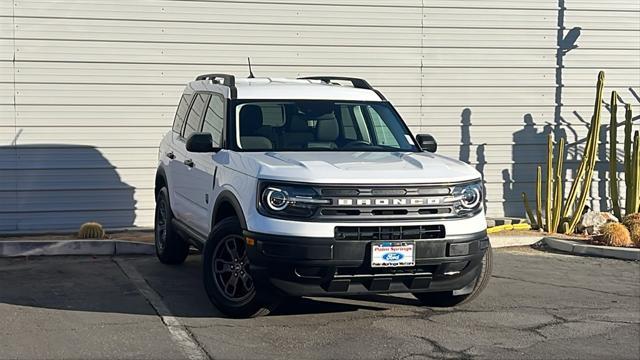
{"points": [[250, 72]]}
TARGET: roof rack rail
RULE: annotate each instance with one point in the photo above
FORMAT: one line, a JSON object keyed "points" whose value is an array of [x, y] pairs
{"points": [[227, 80], [356, 82]]}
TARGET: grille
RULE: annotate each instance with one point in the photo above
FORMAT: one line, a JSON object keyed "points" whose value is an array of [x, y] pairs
{"points": [[375, 203], [389, 232]]}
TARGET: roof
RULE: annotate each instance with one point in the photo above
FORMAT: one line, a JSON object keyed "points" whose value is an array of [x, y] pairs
{"points": [[282, 88]]}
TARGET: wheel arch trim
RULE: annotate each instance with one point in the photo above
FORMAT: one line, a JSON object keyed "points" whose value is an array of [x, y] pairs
{"points": [[226, 196]]}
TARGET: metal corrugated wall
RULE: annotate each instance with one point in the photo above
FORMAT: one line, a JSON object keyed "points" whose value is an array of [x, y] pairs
{"points": [[87, 88]]}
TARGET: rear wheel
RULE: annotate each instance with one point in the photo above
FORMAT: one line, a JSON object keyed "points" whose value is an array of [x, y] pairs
{"points": [[226, 274], [449, 298], [170, 247]]}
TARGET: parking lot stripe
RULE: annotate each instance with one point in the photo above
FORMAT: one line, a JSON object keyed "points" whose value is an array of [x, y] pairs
{"points": [[179, 333]]}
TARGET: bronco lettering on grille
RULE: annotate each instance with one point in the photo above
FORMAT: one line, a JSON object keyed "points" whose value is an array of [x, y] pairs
{"points": [[389, 201]]}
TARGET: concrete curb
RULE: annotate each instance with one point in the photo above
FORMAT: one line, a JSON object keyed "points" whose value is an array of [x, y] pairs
{"points": [[580, 248], [16, 248], [500, 241]]}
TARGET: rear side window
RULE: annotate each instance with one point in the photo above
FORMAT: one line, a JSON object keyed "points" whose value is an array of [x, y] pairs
{"points": [[181, 112], [195, 115], [214, 119]]}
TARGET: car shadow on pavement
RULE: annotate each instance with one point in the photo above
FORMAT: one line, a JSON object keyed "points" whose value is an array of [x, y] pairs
{"points": [[183, 292], [101, 285], [305, 306]]}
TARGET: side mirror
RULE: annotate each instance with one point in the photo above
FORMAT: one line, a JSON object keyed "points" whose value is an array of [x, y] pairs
{"points": [[200, 142], [427, 142]]}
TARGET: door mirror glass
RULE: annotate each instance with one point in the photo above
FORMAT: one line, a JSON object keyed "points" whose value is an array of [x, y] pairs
{"points": [[427, 142], [200, 142]]}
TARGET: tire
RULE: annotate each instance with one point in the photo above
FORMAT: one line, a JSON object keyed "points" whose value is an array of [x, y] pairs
{"points": [[448, 299], [226, 274], [171, 249]]}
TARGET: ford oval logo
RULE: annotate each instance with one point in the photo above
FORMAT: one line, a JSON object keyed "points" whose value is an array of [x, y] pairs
{"points": [[392, 256]]}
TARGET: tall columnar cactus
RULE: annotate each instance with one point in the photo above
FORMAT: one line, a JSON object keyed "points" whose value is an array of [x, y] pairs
{"points": [[633, 202], [627, 147], [548, 215], [557, 212], [559, 191], [630, 173], [589, 158], [539, 196], [613, 162]]}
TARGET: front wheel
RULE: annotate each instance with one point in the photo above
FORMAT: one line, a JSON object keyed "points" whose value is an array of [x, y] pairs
{"points": [[226, 275], [449, 298], [170, 247]]}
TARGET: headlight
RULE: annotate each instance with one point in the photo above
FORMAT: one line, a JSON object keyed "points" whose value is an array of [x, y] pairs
{"points": [[468, 198], [288, 200], [276, 199]]}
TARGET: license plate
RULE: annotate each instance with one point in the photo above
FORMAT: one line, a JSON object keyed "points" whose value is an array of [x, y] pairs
{"points": [[392, 254]]}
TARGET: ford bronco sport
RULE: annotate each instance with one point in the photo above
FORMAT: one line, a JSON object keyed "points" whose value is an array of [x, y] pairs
{"points": [[314, 187]]}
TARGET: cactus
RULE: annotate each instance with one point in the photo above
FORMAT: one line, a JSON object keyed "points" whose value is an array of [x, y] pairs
{"points": [[91, 230], [633, 201], [527, 208], [539, 196], [613, 162], [559, 192], [631, 163], [585, 171], [548, 215], [557, 201], [630, 177], [627, 153], [615, 234], [632, 222], [565, 216]]}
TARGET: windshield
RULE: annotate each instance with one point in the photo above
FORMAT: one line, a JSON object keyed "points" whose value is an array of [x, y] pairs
{"points": [[320, 125]]}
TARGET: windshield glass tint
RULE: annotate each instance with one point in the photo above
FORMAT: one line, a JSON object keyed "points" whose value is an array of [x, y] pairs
{"points": [[320, 126]]}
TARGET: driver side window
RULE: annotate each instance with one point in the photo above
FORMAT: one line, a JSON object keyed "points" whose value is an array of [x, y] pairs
{"points": [[384, 136], [361, 124]]}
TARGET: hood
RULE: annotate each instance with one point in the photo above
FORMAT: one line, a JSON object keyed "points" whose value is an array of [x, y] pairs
{"points": [[334, 167]]}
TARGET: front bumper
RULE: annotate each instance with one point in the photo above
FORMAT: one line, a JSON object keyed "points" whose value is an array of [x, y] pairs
{"points": [[310, 266]]}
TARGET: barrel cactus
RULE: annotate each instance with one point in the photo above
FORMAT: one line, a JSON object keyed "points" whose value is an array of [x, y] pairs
{"points": [[615, 234], [632, 222], [91, 230]]}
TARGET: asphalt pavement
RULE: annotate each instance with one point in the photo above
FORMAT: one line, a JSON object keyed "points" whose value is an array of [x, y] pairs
{"points": [[537, 306]]}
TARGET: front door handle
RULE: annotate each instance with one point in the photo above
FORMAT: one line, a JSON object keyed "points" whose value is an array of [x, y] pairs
{"points": [[170, 155], [188, 162]]}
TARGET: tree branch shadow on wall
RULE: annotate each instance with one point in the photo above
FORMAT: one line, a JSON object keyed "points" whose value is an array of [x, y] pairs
{"points": [[57, 187]]}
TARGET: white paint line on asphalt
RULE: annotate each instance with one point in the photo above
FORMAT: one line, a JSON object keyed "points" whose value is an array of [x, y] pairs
{"points": [[179, 333]]}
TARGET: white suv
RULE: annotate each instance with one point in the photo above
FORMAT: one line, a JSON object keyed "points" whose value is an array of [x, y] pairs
{"points": [[314, 186]]}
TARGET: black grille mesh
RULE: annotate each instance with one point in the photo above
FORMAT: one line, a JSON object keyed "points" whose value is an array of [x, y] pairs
{"points": [[389, 232]]}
